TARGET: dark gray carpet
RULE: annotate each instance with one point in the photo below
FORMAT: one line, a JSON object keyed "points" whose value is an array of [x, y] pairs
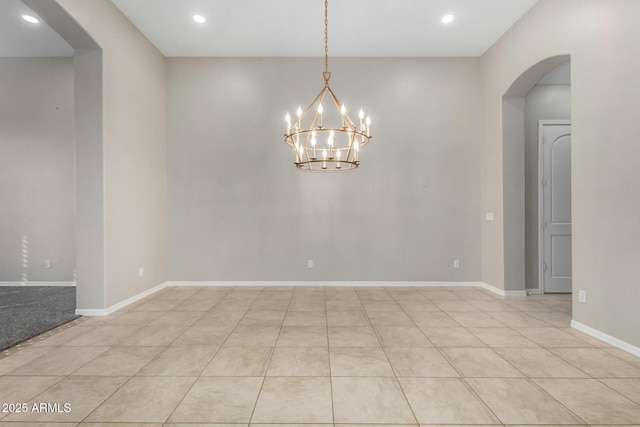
{"points": [[27, 311]]}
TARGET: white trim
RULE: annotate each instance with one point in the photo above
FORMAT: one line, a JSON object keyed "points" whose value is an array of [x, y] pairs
{"points": [[37, 283], [533, 291], [502, 292], [541, 124], [355, 284], [324, 283], [128, 301], [107, 311], [622, 345], [90, 312]]}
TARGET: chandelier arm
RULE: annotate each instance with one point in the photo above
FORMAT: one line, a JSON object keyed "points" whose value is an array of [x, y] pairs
{"points": [[351, 166], [352, 138], [319, 96], [306, 154], [348, 120], [334, 97]]}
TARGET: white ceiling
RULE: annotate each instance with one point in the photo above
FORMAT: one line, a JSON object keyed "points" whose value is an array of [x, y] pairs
{"points": [[18, 38], [295, 27], [289, 27]]}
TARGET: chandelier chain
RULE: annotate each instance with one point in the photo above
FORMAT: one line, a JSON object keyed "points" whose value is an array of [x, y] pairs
{"points": [[326, 36]]}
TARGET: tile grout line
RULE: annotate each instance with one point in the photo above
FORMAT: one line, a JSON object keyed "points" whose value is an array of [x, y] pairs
{"points": [[326, 324], [203, 369], [413, 414], [616, 391], [432, 343], [134, 376], [65, 377], [394, 297], [266, 371], [528, 379], [200, 375], [451, 364], [556, 400]]}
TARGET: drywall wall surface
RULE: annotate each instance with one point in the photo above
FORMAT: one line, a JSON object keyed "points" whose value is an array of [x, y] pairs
{"points": [[89, 161], [543, 102], [513, 201], [239, 209], [37, 194], [605, 63], [134, 146]]}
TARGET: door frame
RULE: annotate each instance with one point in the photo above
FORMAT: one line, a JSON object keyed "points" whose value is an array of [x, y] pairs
{"points": [[541, 124]]}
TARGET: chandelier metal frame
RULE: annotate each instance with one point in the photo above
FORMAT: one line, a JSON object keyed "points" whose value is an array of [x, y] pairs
{"points": [[321, 148]]}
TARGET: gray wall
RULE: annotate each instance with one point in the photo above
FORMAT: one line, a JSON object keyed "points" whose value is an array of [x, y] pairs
{"points": [[513, 209], [605, 153], [134, 157], [543, 102], [37, 169], [239, 210]]}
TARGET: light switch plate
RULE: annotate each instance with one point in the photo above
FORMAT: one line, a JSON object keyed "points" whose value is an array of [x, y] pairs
{"points": [[582, 296]]}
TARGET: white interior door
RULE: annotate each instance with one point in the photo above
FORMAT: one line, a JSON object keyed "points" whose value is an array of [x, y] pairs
{"points": [[555, 206]]}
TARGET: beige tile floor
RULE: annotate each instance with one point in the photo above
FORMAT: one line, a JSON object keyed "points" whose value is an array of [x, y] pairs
{"points": [[324, 357]]}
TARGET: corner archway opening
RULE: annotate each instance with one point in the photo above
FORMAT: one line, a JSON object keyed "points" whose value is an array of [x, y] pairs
{"points": [[542, 92]]}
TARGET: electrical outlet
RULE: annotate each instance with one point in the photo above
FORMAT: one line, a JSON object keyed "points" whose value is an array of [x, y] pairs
{"points": [[488, 216], [582, 296], [310, 263], [47, 263], [456, 263], [140, 272]]}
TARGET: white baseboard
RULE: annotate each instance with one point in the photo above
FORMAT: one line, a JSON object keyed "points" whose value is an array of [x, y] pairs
{"points": [[502, 292], [354, 283], [128, 301], [534, 291], [37, 283], [622, 345], [90, 312], [107, 311], [324, 283]]}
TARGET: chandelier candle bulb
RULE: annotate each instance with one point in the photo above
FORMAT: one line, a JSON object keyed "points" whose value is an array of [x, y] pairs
{"points": [[330, 141], [287, 119], [368, 126], [343, 111], [299, 114], [320, 110], [313, 143]]}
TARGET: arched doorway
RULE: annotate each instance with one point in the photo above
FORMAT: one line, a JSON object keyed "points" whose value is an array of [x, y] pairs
{"points": [[520, 225]]}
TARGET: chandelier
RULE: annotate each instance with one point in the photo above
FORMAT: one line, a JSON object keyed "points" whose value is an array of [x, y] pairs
{"points": [[324, 137]]}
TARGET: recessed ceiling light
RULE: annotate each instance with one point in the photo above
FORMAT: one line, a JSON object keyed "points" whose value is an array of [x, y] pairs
{"points": [[30, 19], [447, 19], [199, 19]]}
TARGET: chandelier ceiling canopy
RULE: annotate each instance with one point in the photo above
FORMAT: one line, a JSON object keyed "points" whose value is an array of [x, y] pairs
{"points": [[324, 137]]}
